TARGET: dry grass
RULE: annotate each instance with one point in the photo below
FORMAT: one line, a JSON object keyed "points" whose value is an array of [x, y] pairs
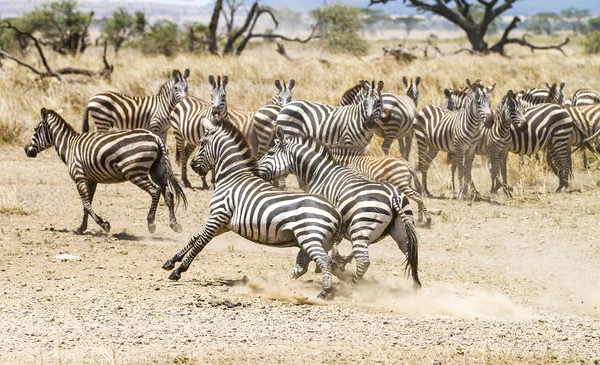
{"points": [[10, 204], [251, 84]]}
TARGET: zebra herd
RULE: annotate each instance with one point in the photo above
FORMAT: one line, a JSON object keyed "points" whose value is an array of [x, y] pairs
{"points": [[348, 194]]}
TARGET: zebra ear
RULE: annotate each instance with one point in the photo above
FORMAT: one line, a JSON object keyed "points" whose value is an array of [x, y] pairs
{"points": [[208, 126], [225, 80], [562, 85], [447, 93], [510, 94], [59, 111], [278, 85], [43, 113], [405, 81], [379, 85], [291, 84], [418, 80], [186, 73], [469, 83], [211, 79], [175, 74], [280, 135], [548, 86], [491, 88]]}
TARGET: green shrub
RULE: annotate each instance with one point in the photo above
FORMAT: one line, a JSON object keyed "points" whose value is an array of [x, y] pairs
{"points": [[162, 38], [591, 42], [339, 29]]}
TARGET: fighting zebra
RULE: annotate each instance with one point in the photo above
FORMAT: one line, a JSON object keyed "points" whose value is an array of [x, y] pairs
{"points": [[552, 95], [583, 97], [247, 205], [110, 157], [458, 132], [393, 170], [111, 109], [265, 118], [370, 210], [349, 125], [400, 113], [188, 113]]}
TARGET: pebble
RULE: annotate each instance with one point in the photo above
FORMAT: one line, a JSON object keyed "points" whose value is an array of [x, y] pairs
{"points": [[67, 257]]}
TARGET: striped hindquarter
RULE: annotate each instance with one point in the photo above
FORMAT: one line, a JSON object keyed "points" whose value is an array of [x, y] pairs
{"points": [[247, 205], [583, 97], [136, 155], [370, 210], [119, 111], [393, 170]]}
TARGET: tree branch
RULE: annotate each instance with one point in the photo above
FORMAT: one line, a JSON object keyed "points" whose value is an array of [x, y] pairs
{"points": [[523, 42]]}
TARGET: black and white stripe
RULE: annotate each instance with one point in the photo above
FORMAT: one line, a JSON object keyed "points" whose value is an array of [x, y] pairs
{"points": [[114, 110], [440, 129], [370, 210], [247, 205], [345, 125], [110, 157], [393, 170], [552, 95], [583, 97]]}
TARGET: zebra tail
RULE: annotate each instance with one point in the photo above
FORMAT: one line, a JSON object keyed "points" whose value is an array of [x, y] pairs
{"points": [[177, 156], [86, 123], [174, 184], [412, 245], [416, 180]]}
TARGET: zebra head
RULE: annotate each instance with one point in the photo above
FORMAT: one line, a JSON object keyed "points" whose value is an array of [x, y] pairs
{"points": [[481, 99], [42, 135], [412, 88], [555, 93], [275, 162], [180, 85], [373, 104], [205, 159], [218, 97], [510, 111], [285, 92]]}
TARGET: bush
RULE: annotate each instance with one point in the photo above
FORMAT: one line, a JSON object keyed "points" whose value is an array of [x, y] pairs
{"points": [[339, 29], [162, 38], [591, 42]]}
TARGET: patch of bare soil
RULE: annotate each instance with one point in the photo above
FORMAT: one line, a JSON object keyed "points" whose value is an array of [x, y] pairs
{"points": [[515, 282]]}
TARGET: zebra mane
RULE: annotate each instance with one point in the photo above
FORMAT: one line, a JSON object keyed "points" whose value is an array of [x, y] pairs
{"points": [[55, 116], [246, 151], [350, 94], [314, 144]]}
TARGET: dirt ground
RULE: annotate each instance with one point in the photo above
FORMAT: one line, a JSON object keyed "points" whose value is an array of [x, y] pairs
{"points": [[512, 282]]}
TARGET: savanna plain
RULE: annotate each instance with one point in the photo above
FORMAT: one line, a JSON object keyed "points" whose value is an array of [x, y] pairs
{"points": [[505, 281]]}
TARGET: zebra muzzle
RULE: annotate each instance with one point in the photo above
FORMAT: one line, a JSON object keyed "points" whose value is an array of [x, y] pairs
{"points": [[30, 151]]}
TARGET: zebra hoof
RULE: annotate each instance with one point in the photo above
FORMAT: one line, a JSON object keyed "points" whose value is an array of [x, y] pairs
{"points": [[176, 227], [325, 294], [151, 228], [169, 265], [175, 275], [187, 184], [106, 227], [79, 231], [428, 222]]}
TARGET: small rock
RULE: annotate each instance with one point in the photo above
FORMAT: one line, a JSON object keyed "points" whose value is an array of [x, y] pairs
{"points": [[38, 289], [67, 257], [100, 267]]}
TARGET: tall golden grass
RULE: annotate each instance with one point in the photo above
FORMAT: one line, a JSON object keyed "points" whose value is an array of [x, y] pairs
{"points": [[319, 76]]}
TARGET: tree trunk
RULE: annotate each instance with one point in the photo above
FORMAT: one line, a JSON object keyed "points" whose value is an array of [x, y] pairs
{"points": [[477, 42], [214, 23]]}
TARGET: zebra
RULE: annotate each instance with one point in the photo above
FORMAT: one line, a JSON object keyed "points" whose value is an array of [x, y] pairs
{"points": [[438, 128], [244, 203], [136, 155], [586, 123], [264, 119], [552, 95], [110, 109], [400, 112], [188, 113], [583, 97], [349, 125], [393, 170], [370, 210]]}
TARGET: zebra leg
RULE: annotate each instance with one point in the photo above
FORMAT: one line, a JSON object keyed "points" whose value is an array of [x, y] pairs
{"points": [[585, 162], [194, 247], [314, 248], [160, 176], [426, 156], [406, 142], [469, 158], [550, 157], [360, 251], [91, 186], [562, 158], [503, 158], [185, 155], [414, 195], [453, 170], [387, 143], [459, 162], [494, 174], [144, 183], [84, 193], [302, 261]]}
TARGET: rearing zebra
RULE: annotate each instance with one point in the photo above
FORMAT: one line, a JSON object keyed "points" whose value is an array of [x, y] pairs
{"points": [[345, 125], [247, 205], [110, 157], [370, 210], [400, 113], [458, 132], [110, 109]]}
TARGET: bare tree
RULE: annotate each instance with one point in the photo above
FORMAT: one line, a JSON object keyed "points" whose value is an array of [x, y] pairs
{"points": [[409, 22], [212, 28], [462, 16], [233, 6]]}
